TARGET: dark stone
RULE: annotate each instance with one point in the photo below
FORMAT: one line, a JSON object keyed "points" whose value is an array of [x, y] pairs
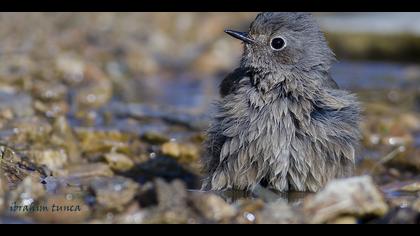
{"points": [[165, 168]]}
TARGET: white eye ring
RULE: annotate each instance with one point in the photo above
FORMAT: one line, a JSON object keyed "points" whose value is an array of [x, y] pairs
{"points": [[278, 43]]}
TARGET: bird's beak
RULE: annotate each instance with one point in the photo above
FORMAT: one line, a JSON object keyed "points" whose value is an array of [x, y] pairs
{"points": [[240, 35]]}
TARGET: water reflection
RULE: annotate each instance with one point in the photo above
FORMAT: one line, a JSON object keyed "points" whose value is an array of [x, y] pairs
{"points": [[267, 195]]}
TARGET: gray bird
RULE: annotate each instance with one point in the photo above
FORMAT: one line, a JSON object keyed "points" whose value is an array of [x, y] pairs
{"points": [[281, 121]]}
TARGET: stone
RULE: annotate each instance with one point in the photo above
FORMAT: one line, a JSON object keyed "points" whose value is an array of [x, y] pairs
{"points": [[184, 153], [118, 161], [213, 207], [344, 220], [279, 212], [19, 104], [95, 141], [113, 193], [356, 196], [413, 187], [416, 205], [87, 170], [25, 195], [14, 167], [165, 168], [3, 190], [54, 160], [49, 91], [155, 138], [63, 136], [249, 209], [171, 206], [95, 91]]}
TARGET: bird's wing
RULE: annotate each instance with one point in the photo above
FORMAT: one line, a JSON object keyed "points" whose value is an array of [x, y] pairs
{"points": [[231, 82]]}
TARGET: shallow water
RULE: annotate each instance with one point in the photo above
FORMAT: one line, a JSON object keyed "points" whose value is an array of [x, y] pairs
{"points": [[88, 108], [194, 93]]}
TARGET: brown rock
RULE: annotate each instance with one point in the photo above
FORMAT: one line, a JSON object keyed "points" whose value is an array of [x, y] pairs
{"points": [[95, 91], [64, 137], [344, 220], [413, 187], [155, 138], [87, 170], [213, 207], [26, 194], [53, 159], [3, 190], [184, 153], [249, 209], [416, 205], [118, 161], [113, 193], [279, 212], [357, 196]]}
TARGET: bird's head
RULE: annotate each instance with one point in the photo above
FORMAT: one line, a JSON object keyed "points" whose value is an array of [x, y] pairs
{"points": [[284, 41]]}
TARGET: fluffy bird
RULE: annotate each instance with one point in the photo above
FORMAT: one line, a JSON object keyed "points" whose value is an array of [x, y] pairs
{"points": [[281, 122]]}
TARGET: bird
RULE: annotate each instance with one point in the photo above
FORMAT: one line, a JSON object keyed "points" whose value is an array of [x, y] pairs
{"points": [[281, 120]]}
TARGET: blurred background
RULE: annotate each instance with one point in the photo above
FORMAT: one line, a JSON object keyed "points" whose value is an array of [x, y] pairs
{"points": [[126, 97]]}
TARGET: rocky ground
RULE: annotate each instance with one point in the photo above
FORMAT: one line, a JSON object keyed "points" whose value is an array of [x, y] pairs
{"points": [[102, 119]]}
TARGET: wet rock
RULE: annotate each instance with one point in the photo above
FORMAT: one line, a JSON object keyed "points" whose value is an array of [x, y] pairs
{"points": [[19, 104], [213, 207], [357, 196], [389, 128], [249, 209], [54, 185], [279, 212], [14, 167], [54, 160], [348, 220], [95, 91], [401, 200], [61, 209], [399, 215], [413, 187], [52, 109], [3, 190], [131, 218], [113, 193], [165, 168], [63, 136], [93, 141], [71, 68], [184, 153], [172, 204], [29, 130], [25, 195], [119, 162], [416, 205], [48, 91], [170, 195], [410, 120], [87, 170], [407, 159], [147, 195], [154, 138]]}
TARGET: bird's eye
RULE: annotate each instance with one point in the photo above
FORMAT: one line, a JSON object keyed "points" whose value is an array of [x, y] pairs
{"points": [[278, 43]]}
